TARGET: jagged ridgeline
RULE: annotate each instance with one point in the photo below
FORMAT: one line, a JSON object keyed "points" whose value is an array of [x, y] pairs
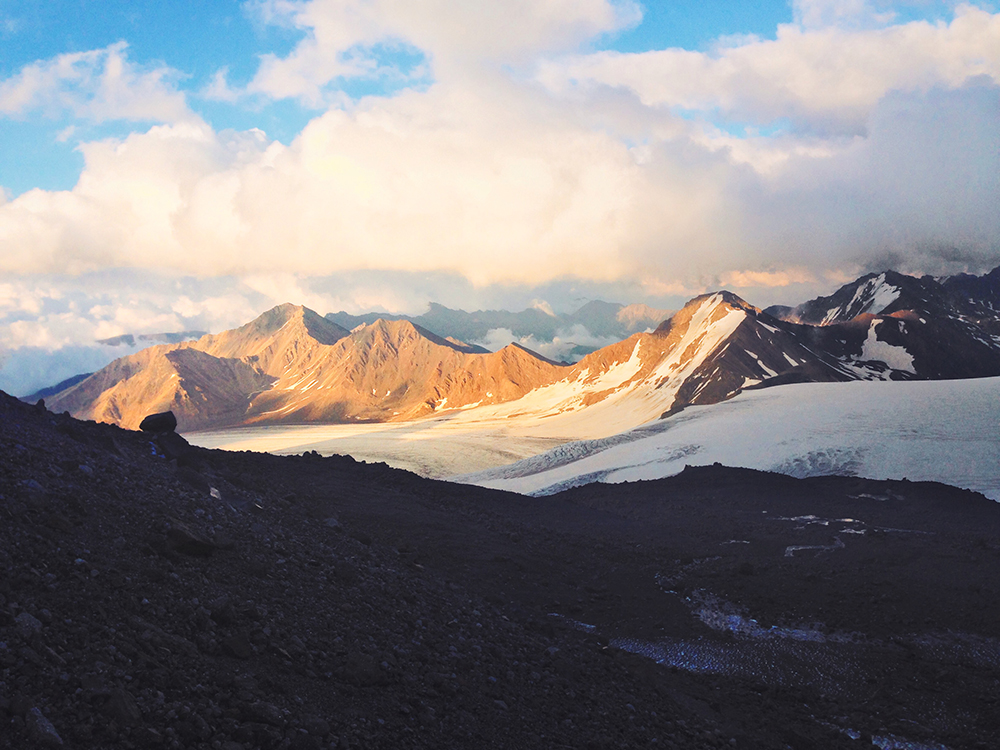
{"points": [[293, 366]]}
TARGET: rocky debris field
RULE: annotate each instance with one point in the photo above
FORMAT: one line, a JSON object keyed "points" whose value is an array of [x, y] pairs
{"points": [[159, 595]]}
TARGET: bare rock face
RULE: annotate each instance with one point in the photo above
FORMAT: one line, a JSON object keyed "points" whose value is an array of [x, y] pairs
{"points": [[162, 422]]}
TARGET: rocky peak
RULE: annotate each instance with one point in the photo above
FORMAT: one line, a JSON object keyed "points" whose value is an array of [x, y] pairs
{"points": [[705, 310]]}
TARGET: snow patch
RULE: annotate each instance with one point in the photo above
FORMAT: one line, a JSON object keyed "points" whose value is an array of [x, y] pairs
{"points": [[895, 356]]}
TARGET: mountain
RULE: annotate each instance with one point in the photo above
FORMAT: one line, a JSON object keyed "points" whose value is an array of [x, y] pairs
{"points": [[708, 351], [964, 296], [977, 290], [875, 293], [394, 370], [599, 320], [921, 326], [292, 365], [57, 388]]}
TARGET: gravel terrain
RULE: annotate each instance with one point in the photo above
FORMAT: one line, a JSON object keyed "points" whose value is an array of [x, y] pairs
{"points": [[159, 595]]}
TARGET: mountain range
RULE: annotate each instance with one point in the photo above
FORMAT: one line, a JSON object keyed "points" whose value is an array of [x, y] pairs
{"points": [[293, 366]]}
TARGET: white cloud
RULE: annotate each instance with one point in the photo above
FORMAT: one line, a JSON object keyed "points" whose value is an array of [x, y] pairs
{"points": [[458, 35], [218, 88], [446, 180], [852, 13], [511, 188], [828, 79], [560, 348], [98, 85]]}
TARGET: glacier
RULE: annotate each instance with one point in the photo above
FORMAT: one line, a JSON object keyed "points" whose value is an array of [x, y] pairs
{"points": [[943, 431]]}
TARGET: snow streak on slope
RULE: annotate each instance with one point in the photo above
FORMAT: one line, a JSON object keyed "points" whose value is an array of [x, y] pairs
{"points": [[873, 297], [602, 398], [922, 430]]}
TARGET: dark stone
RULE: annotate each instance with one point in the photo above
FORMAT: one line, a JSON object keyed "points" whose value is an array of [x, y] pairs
{"points": [[222, 610], [306, 742], [28, 625], [182, 539], [265, 713], [123, 709], [193, 479], [316, 726], [360, 536], [363, 670], [162, 422], [238, 646], [172, 445], [40, 730], [345, 571]]}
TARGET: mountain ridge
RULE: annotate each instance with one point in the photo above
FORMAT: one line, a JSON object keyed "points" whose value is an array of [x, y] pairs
{"points": [[292, 366], [262, 371]]}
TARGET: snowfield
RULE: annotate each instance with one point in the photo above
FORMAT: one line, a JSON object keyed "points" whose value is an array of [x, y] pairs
{"points": [[434, 448], [943, 431]]}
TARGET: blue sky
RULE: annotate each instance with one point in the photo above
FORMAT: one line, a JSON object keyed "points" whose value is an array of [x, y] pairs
{"points": [[381, 154]]}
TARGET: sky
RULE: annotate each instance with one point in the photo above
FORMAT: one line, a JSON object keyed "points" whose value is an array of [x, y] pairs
{"points": [[187, 165]]}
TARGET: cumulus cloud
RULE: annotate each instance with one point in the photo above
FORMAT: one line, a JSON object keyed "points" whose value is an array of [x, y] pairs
{"points": [[97, 85], [824, 77], [510, 189], [918, 194], [457, 36], [218, 88], [443, 180]]}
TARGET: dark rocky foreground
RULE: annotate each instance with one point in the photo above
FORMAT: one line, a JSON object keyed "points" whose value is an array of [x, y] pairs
{"points": [[157, 595]]}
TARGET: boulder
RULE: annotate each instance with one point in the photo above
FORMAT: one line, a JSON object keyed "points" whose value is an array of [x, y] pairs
{"points": [[162, 422]]}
